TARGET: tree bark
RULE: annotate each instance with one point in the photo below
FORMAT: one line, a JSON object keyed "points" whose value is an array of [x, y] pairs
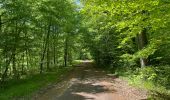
{"points": [[142, 42], [66, 52], [54, 50], [23, 60], [14, 69], [44, 51], [4, 75], [48, 48], [0, 24], [14, 64]]}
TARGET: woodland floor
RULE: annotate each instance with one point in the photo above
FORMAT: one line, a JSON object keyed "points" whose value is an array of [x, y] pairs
{"points": [[88, 83]]}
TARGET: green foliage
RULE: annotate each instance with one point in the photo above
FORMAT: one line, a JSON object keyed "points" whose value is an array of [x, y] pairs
{"points": [[137, 34], [26, 87], [129, 19], [155, 79], [36, 35], [39, 35]]}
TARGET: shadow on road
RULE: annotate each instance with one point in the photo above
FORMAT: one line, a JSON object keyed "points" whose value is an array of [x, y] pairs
{"points": [[86, 82], [83, 91]]}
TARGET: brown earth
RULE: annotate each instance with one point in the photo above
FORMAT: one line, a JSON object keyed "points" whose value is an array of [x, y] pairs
{"points": [[88, 83]]}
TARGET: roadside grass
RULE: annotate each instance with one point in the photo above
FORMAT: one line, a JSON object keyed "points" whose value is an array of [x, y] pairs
{"points": [[26, 87], [157, 84], [76, 62]]}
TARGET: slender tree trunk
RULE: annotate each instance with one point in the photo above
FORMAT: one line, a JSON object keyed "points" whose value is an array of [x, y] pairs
{"points": [[23, 60], [26, 53], [42, 57], [14, 69], [44, 51], [0, 25], [4, 75], [142, 42], [55, 44], [14, 63], [27, 58], [14, 49], [48, 57], [48, 48], [66, 52], [54, 50]]}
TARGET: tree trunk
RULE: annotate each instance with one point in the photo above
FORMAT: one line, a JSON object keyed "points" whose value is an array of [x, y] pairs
{"points": [[44, 51], [23, 60], [54, 50], [142, 42], [4, 75], [48, 57], [14, 69], [55, 44], [42, 57], [26, 53], [0, 24], [66, 52], [48, 48]]}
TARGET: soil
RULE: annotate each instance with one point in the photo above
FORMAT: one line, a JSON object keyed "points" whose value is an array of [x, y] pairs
{"points": [[86, 82]]}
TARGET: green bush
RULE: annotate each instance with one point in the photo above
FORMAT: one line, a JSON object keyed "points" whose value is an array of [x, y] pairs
{"points": [[156, 79]]}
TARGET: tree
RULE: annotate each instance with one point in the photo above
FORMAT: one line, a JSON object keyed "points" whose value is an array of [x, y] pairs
{"points": [[132, 19], [33, 35]]}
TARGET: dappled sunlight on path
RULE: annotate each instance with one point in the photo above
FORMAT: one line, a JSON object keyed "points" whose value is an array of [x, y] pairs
{"points": [[88, 83]]}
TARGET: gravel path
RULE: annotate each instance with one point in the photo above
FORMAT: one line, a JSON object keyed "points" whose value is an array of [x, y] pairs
{"points": [[87, 83]]}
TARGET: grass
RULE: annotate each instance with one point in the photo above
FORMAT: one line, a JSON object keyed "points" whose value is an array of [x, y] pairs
{"points": [[148, 80], [76, 62], [156, 91], [26, 87]]}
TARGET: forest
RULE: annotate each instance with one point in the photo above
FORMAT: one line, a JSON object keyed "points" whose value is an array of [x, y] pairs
{"points": [[43, 39]]}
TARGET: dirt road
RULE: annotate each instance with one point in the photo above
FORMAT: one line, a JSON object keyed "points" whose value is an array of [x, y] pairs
{"points": [[88, 83]]}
